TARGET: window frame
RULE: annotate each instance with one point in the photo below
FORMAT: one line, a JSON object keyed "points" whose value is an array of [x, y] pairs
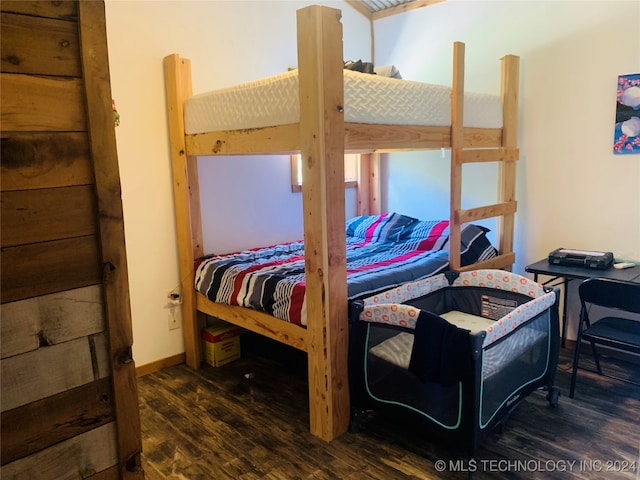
{"points": [[351, 168]]}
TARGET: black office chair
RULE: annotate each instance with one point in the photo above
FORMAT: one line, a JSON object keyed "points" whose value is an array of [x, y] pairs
{"points": [[612, 331]]}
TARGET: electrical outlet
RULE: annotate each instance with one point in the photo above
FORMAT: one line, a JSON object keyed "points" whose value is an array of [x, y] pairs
{"points": [[174, 317], [174, 300]]}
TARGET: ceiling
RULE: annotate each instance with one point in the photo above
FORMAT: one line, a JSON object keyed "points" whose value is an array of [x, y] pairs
{"points": [[374, 9]]}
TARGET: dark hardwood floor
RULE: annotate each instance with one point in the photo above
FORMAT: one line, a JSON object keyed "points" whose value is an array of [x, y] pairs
{"points": [[248, 420]]}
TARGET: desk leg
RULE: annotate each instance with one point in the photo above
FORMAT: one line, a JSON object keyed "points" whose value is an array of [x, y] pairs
{"points": [[565, 297], [565, 288]]}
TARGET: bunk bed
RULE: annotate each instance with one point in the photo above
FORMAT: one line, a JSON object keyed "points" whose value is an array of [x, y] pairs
{"points": [[322, 135]]}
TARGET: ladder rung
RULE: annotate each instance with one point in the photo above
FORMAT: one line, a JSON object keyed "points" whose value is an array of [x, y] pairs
{"points": [[500, 262], [472, 155], [488, 211]]}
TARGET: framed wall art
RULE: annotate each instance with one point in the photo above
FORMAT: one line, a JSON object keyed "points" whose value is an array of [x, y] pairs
{"points": [[626, 137]]}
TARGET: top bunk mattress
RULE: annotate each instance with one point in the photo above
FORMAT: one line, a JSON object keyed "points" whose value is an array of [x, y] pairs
{"points": [[367, 99]]}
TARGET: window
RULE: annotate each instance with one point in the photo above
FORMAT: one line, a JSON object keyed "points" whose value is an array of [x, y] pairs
{"points": [[350, 171]]}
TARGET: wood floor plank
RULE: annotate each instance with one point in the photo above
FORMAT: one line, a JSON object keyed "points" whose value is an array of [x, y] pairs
{"points": [[249, 420]]}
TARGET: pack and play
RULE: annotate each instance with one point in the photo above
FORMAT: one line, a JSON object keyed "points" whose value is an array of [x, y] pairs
{"points": [[456, 351]]}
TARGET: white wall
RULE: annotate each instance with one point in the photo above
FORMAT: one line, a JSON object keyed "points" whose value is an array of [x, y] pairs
{"points": [[572, 191], [249, 200]]}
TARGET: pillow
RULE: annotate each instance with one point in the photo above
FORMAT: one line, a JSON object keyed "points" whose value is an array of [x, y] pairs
{"points": [[434, 235], [475, 245], [375, 228]]}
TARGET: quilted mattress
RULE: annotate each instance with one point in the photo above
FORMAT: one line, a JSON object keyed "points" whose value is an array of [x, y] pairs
{"points": [[368, 99]]}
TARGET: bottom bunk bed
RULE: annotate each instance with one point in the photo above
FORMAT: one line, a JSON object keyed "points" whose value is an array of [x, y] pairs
{"points": [[455, 352], [265, 290], [382, 251]]}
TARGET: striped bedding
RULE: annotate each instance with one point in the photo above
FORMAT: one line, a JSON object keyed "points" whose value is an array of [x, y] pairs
{"points": [[382, 251]]}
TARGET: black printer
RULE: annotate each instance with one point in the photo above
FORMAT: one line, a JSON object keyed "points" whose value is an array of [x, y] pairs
{"points": [[581, 258]]}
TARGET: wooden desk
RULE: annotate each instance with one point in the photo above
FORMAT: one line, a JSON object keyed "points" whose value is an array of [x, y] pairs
{"points": [[562, 275]]}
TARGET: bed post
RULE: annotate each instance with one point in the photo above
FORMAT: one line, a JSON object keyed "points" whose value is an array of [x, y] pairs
{"points": [[457, 143], [368, 178], [177, 73], [507, 171], [320, 63]]}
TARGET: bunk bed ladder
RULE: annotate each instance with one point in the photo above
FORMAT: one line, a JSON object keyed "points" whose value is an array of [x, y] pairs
{"points": [[462, 152]]}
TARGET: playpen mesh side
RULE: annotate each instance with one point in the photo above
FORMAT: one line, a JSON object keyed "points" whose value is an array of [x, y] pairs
{"points": [[512, 363], [388, 381]]}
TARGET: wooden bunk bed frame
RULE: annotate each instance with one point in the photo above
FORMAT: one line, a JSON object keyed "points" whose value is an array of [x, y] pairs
{"points": [[322, 137]]}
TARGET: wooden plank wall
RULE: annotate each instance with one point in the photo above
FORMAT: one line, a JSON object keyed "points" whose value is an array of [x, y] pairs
{"points": [[61, 402]]}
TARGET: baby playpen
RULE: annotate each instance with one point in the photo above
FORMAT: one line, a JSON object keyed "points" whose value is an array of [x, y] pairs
{"points": [[456, 351]]}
